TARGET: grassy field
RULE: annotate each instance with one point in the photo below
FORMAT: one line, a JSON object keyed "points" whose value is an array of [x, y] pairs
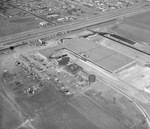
{"points": [[136, 27], [48, 98], [8, 118], [63, 117], [14, 26], [119, 107], [134, 33], [143, 18], [96, 114], [108, 109]]}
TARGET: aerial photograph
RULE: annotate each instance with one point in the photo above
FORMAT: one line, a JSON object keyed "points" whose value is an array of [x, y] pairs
{"points": [[74, 64]]}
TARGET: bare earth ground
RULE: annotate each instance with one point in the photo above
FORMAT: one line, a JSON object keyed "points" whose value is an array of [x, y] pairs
{"points": [[90, 110], [99, 107]]}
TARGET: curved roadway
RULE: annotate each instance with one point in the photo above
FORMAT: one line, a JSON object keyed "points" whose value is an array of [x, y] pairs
{"points": [[138, 105]]}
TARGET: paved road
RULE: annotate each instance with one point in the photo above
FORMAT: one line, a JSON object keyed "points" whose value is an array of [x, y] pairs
{"points": [[103, 76], [72, 26], [137, 104], [125, 89]]}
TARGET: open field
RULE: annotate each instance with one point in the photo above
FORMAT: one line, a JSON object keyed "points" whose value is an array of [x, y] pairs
{"points": [[62, 117], [134, 33], [48, 98], [107, 108], [116, 105], [101, 113], [143, 18], [136, 27], [95, 114], [14, 26], [8, 117]]}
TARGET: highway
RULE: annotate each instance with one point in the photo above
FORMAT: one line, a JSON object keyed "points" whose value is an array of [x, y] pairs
{"points": [[72, 26], [78, 25]]}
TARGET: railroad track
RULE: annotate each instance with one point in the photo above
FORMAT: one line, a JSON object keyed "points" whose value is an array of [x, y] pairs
{"points": [[72, 26]]}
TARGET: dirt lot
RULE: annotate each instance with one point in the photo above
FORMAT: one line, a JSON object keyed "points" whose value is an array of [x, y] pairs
{"points": [[140, 80], [99, 107]]}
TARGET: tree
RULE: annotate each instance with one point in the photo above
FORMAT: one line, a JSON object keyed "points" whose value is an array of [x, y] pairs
{"points": [[64, 61], [92, 78], [143, 119], [114, 100], [12, 47]]}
